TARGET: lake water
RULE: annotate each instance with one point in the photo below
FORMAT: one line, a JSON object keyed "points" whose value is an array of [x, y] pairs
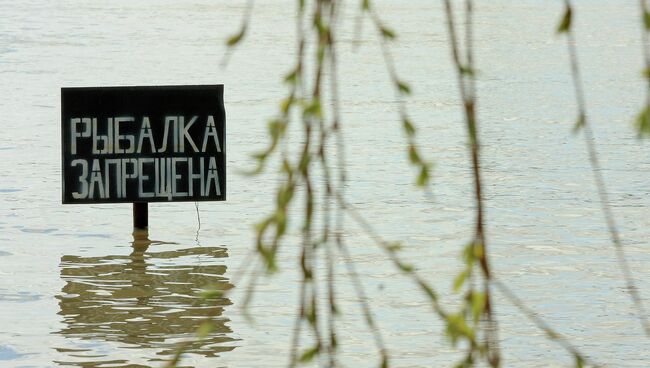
{"points": [[76, 288]]}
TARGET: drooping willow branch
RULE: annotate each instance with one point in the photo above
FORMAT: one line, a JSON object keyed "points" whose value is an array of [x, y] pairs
{"points": [[235, 39], [307, 100], [391, 249], [580, 359], [582, 123], [643, 119], [401, 89], [465, 73], [475, 322]]}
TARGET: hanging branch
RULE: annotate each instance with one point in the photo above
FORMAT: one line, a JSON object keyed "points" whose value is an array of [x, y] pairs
{"points": [[566, 27], [236, 39], [465, 74], [643, 119], [476, 315], [330, 187], [402, 89], [579, 358]]}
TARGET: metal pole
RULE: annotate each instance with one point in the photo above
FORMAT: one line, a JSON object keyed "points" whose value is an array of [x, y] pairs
{"points": [[140, 215]]}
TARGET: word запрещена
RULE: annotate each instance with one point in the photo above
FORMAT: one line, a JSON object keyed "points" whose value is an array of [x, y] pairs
{"points": [[101, 179]]}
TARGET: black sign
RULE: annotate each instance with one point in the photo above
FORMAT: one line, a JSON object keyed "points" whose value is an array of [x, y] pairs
{"points": [[143, 144]]}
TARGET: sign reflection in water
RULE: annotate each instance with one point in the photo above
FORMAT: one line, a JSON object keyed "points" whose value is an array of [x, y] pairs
{"points": [[148, 301]]}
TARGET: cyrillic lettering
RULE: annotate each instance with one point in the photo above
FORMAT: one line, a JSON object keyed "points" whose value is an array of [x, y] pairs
{"points": [[96, 179], [142, 177], [83, 179], [146, 132], [213, 175], [210, 131], [74, 134], [118, 137]]}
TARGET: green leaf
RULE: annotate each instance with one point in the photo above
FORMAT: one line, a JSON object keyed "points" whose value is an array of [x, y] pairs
{"points": [[457, 327], [387, 33], [413, 155], [335, 311], [408, 127], [643, 122], [478, 304], [407, 268], [565, 24], [291, 77], [285, 105], [552, 334], [309, 354], [334, 341], [276, 128], [384, 362], [280, 222], [466, 70], [310, 315], [579, 362], [320, 26], [312, 110], [468, 254], [459, 280], [646, 73], [365, 5], [580, 123], [394, 247], [236, 38], [423, 178], [403, 88], [204, 330], [211, 294], [478, 249], [304, 162], [286, 167], [267, 253], [284, 195], [646, 20]]}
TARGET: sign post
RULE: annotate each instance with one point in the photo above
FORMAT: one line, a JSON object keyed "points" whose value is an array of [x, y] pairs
{"points": [[141, 215], [143, 144]]}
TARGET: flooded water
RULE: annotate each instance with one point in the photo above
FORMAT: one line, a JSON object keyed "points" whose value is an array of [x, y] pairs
{"points": [[77, 288]]}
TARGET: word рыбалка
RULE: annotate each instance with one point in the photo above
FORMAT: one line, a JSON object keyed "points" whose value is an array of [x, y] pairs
{"points": [[116, 142]]}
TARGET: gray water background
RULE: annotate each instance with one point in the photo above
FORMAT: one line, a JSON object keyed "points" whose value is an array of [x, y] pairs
{"points": [[74, 292]]}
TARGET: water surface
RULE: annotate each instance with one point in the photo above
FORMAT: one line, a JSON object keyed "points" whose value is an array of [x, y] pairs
{"points": [[75, 291]]}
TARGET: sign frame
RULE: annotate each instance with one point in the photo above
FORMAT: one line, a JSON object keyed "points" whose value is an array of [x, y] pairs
{"points": [[182, 112]]}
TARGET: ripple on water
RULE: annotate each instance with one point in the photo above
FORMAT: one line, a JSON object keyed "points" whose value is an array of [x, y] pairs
{"points": [[10, 190], [7, 353], [18, 297], [38, 231], [86, 235]]}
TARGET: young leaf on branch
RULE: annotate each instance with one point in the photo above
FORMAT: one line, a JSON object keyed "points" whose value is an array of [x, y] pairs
{"points": [[565, 24]]}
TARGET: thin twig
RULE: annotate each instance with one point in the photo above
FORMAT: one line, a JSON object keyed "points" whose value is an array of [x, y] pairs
{"points": [[466, 75], [395, 259], [363, 302], [599, 179], [510, 295], [399, 86], [246, 19], [540, 323], [297, 326]]}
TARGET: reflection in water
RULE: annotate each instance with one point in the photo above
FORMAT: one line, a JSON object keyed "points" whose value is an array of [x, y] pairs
{"points": [[145, 300]]}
